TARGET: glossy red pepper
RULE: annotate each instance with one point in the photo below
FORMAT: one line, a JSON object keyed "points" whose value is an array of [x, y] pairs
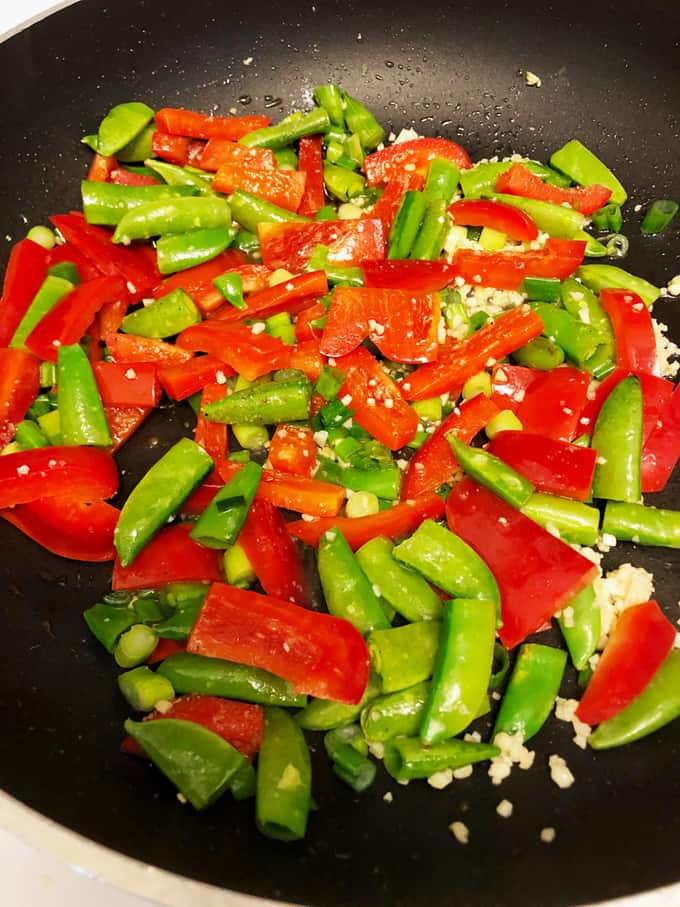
{"points": [[482, 212], [385, 209], [181, 380], [661, 451], [414, 155], [407, 274], [131, 348], [123, 177], [26, 271], [510, 383], [171, 148], [68, 527], [310, 162], [224, 151], [520, 181], [19, 386], [101, 167], [639, 643], [506, 270], [293, 449], [66, 251], [251, 355], [178, 121], [321, 655], [633, 331], [212, 436], [165, 648], [284, 188], [554, 402], [304, 323], [350, 242], [170, 557], [87, 473], [111, 316], [534, 585], [292, 296], [123, 422], [126, 384], [196, 279]]}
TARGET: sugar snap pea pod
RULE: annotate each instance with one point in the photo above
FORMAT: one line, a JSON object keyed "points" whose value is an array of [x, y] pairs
{"points": [[395, 714], [429, 242], [172, 215], [585, 168], [51, 290], [578, 340], [190, 673], [642, 524], [491, 472], [158, 496], [243, 782], [284, 777], [657, 705], [556, 220], [179, 177], [178, 625], [330, 98], [249, 210], [139, 148], [179, 251], [164, 317], [577, 523], [581, 624], [119, 127], [223, 518], [361, 121], [442, 181], [200, 763], [289, 130], [532, 690], [542, 289], [601, 277], [382, 481], [286, 158], [30, 436], [407, 757], [617, 437], [583, 304], [406, 224], [324, 714], [463, 668], [540, 353], [404, 656], [408, 593], [106, 203], [107, 623], [268, 403], [346, 588], [82, 416]]}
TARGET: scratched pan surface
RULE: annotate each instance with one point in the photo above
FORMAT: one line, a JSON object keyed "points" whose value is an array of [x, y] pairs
{"points": [[610, 78]]}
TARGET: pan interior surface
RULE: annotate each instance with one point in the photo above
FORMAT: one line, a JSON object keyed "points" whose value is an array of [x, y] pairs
{"points": [[609, 78]]}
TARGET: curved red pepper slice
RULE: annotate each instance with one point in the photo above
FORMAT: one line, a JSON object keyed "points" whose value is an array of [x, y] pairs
{"points": [[310, 162], [26, 270], [68, 252], [178, 121], [123, 177], [293, 296], [170, 557], [304, 329], [212, 436], [123, 422], [89, 474], [69, 528], [506, 270], [251, 355], [224, 151], [661, 451], [290, 244], [19, 385], [412, 155], [520, 181], [482, 212], [171, 148], [293, 450], [385, 209], [181, 380], [131, 348], [101, 167], [209, 299], [321, 655], [510, 383], [407, 274], [633, 331], [284, 188], [553, 404], [639, 643]]}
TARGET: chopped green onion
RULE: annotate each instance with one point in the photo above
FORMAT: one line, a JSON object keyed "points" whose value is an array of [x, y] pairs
{"points": [[477, 384], [505, 420], [43, 236], [134, 646], [143, 689], [659, 215], [608, 219], [617, 245], [542, 289], [329, 382], [237, 568]]}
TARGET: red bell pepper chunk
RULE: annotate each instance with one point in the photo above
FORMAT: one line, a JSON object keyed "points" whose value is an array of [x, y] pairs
{"points": [[633, 331], [553, 404], [170, 557], [195, 279], [310, 162], [239, 723], [309, 496], [304, 327], [223, 151], [434, 464], [111, 316], [196, 503], [26, 271], [520, 181], [123, 422], [181, 380], [293, 450], [414, 155], [375, 400], [87, 473], [131, 348], [483, 212], [68, 527], [555, 467], [93, 341], [406, 274], [393, 523], [251, 355], [321, 655], [510, 383], [212, 436], [126, 384], [661, 451], [506, 270], [171, 148], [164, 649], [638, 645], [101, 167], [68, 252], [350, 242], [284, 188], [461, 359], [69, 319], [292, 296], [385, 209], [305, 357], [123, 177], [536, 572], [178, 121], [273, 554], [19, 386], [403, 324]]}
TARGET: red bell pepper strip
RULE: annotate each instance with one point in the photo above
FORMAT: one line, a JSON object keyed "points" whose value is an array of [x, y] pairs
{"points": [[171, 148], [385, 209], [555, 467], [350, 242], [101, 167], [178, 121], [273, 554], [196, 503], [403, 324], [460, 360], [413, 155], [67, 527], [407, 274], [293, 450], [375, 400], [26, 271], [510, 383], [321, 655], [69, 319], [181, 380], [170, 557], [123, 177], [482, 212], [19, 386], [127, 384], [212, 436], [87, 473], [633, 331], [292, 296], [209, 299], [393, 523], [536, 573], [304, 327], [111, 316], [639, 643], [434, 464], [310, 162], [661, 451], [506, 270], [239, 723], [553, 404], [251, 355], [284, 188], [223, 151], [93, 338], [195, 279], [66, 251], [123, 422], [520, 181], [131, 348], [165, 648]]}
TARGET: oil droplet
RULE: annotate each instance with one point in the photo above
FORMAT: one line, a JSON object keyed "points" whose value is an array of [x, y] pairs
{"points": [[245, 99]]}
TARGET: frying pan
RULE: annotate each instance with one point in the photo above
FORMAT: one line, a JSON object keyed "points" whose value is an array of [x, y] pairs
{"points": [[609, 77]]}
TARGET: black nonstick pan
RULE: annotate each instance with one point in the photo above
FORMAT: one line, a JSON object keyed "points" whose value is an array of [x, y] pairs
{"points": [[609, 77]]}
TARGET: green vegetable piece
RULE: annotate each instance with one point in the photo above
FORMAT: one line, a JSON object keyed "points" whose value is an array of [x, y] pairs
{"points": [[432, 234], [181, 622], [143, 689], [406, 224], [405, 590], [580, 341], [51, 291], [268, 403], [608, 219], [158, 496], [328, 212], [442, 181], [66, 269], [82, 416], [361, 121], [120, 126], [532, 690], [576, 522], [600, 277], [382, 481], [172, 215], [543, 289], [286, 158], [617, 437], [107, 203], [223, 518], [173, 175], [349, 765], [324, 714], [585, 168], [539, 353], [164, 317], [29, 436], [251, 437], [581, 625], [642, 525], [395, 714], [491, 472], [135, 646], [50, 424], [404, 656], [139, 149], [230, 286], [500, 657], [329, 382], [186, 250], [330, 98], [659, 215], [107, 623], [43, 236], [284, 778], [341, 183], [249, 210], [243, 782], [407, 757], [556, 220], [289, 130]]}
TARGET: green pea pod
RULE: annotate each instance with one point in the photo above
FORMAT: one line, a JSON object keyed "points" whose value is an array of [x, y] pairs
{"points": [[617, 437], [164, 317], [406, 224], [657, 705], [431, 236], [532, 690], [51, 291], [491, 472], [200, 763], [223, 518], [119, 127], [82, 416], [180, 251], [361, 121], [577, 523], [583, 304], [407, 757], [173, 175], [463, 668], [30, 436], [181, 622], [107, 203], [342, 183], [540, 353], [578, 340], [641, 524], [481, 179], [190, 673], [158, 496], [139, 149], [581, 625], [346, 588], [284, 778], [404, 656], [107, 623], [556, 220], [289, 130], [267, 403], [330, 98], [408, 593], [442, 180], [601, 277], [173, 215], [585, 168], [395, 714], [383, 482], [250, 210], [325, 715]]}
